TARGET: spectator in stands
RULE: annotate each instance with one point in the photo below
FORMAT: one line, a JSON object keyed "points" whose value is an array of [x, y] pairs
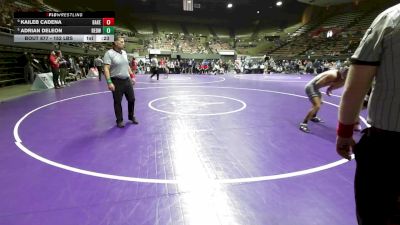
{"points": [[183, 64], [98, 63], [190, 66], [318, 66], [74, 67], [55, 68], [120, 80], [37, 68], [63, 69], [171, 66], [86, 64], [82, 67], [141, 67], [238, 65], [309, 67], [162, 65], [134, 65], [25, 61], [177, 66], [6, 15], [266, 65], [377, 154], [45, 63], [332, 78]]}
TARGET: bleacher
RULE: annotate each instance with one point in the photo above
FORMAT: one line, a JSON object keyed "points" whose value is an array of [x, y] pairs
{"points": [[169, 27], [10, 72], [221, 32], [342, 20], [198, 29], [244, 32], [303, 29], [347, 40], [144, 27], [311, 39]]}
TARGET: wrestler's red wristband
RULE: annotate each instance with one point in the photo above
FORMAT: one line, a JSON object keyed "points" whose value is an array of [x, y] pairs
{"points": [[345, 130], [132, 75]]}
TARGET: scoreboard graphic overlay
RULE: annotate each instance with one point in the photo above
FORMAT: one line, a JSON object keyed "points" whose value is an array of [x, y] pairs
{"points": [[64, 26]]}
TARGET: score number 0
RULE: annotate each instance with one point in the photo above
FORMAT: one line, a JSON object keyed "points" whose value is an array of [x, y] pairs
{"points": [[108, 21]]}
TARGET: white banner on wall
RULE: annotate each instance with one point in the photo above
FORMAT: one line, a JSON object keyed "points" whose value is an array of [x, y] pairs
{"points": [[226, 52], [154, 51]]}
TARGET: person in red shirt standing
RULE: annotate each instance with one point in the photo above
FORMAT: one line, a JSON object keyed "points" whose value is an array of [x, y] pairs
{"points": [[134, 65], [55, 68]]}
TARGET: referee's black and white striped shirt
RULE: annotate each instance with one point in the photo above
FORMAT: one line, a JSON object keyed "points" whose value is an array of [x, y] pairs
{"points": [[380, 47]]}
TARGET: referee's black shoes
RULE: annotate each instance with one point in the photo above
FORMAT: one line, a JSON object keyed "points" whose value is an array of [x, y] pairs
{"points": [[134, 121]]}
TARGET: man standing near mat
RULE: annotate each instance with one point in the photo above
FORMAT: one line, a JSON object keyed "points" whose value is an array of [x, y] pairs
{"points": [[120, 80], [98, 63], [55, 68], [154, 67], [377, 154]]}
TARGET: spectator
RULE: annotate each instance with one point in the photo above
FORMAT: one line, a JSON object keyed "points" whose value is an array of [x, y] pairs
{"points": [[55, 68]]}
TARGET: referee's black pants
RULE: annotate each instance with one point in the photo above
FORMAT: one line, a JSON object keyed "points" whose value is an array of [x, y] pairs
{"points": [[154, 71], [377, 179], [123, 87]]}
